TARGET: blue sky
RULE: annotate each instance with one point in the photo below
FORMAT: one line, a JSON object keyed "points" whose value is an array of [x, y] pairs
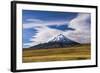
{"points": [[39, 26], [47, 15]]}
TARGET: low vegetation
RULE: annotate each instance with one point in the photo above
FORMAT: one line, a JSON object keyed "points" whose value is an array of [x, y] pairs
{"points": [[78, 52]]}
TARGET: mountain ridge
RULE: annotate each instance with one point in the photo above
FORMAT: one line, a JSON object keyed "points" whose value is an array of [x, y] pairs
{"points": [[60, 41]]}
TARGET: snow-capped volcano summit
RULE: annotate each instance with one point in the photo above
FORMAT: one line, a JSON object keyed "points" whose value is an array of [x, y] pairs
{"points": [[59, 41], [60, 38]]}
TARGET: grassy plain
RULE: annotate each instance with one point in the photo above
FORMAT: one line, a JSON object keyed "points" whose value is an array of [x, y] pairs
{"points": [[79, 52]]}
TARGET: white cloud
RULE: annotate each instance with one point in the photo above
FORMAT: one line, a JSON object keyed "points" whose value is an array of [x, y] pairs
{"points": [[44, 34], [34, 20], [82, 29], [36, 23], [80, 22], [31, 25]]}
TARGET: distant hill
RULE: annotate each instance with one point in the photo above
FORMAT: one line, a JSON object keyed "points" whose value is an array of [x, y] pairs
{"points": [[60, 41]]}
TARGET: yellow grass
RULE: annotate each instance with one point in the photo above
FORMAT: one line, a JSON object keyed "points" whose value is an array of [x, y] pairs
{"points": [[81, 52]]}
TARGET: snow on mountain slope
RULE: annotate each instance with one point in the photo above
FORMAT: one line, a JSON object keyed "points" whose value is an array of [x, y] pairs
{"points": [[60, 38]]}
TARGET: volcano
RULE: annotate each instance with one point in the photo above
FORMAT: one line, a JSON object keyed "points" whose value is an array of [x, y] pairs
{"points": [[59, 41]]}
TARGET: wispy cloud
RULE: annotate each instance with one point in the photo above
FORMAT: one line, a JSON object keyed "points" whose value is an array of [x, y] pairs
{"points": [[34, 20], [37, 22], [43, 34], [82, 25]]}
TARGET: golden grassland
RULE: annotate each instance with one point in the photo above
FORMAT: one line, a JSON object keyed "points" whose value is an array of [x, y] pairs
{"points": [[81, 52]]}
